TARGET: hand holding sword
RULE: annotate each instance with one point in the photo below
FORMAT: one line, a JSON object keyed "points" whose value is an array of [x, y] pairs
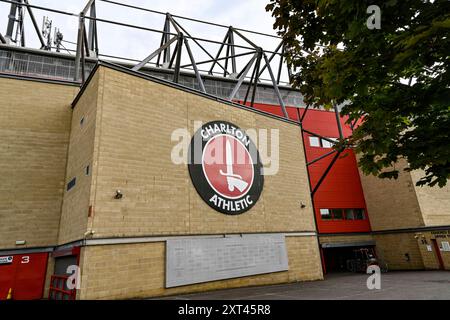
{"points": [[233, 180]]}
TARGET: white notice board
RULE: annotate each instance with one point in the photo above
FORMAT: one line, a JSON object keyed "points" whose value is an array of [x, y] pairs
{"points": [[195, 260]]}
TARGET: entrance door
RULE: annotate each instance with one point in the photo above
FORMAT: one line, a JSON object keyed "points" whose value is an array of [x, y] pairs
{"points": [[438, 254], [24, 276]]}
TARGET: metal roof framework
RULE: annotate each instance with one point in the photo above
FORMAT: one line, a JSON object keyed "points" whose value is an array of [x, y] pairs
{"points": [[175, 38]]}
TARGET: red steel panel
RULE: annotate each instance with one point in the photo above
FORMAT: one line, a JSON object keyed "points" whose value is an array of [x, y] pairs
{"points": [[25, 276], [342, 187]]}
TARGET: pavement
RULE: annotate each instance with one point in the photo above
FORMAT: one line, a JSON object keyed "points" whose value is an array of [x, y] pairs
{"points": [[403, 285]]}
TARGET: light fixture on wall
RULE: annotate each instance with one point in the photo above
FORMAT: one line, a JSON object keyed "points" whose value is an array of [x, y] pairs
{"points": [[302, 205], [407, 257], [89, 233], [118, 195]]}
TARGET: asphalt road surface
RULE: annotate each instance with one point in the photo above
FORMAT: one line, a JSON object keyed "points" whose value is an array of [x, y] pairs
{"points": [[405, 285]]}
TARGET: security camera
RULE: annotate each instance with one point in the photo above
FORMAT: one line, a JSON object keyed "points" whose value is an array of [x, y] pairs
{"points": [[89, 233], [118, 194]]}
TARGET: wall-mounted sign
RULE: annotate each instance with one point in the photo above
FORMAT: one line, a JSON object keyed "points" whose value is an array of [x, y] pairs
{"points": [[225, 167], [6, 260]]}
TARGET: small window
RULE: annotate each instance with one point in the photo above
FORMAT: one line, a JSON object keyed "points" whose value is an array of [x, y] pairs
{"points": [[349, 214], [445, 246], [337, 214], [71, 184], [314, 142], [359, 214], [325, 214], [81, 121], [328, 144], [87, 170]]}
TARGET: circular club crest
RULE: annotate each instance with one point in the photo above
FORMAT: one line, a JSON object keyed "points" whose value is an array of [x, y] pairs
{"points": [[225, 167]]}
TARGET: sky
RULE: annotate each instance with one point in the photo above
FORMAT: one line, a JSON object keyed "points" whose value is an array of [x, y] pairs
{"points": [[137, 44]]}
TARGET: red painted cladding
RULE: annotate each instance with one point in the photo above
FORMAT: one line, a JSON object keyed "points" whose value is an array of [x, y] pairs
{"points": [[342, 188], [25, 276]]}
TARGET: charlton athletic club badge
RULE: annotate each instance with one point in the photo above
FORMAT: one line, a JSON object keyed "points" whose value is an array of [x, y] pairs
{"points": [[225, 167]]}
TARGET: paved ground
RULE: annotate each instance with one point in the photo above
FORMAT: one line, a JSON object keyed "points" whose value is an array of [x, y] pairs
{"points": [[394, 285]]}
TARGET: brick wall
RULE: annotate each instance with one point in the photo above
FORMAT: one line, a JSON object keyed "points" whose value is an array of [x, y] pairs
{"points": [[347, 238], [391, 249], [34, 130], [135, 121], [129, 146], [392, 204], [430, 258], [138, 270], [434, 202], [82, 153]]}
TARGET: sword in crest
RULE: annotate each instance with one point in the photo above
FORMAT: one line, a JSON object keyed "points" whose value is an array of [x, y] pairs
{"points": [[233, 180]]}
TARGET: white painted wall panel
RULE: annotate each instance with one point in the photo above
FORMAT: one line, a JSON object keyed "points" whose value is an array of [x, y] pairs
{"points": [[195, 260]]}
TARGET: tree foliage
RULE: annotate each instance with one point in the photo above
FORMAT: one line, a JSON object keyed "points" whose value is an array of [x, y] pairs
{"points": [[395, 78]]}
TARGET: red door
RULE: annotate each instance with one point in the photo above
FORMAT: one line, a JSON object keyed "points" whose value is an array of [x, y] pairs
{"points": [[438, 254], [25, 276]]}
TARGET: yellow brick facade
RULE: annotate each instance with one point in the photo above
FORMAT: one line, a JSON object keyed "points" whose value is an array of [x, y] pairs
{"points": [[34, 129], [121, 128], [134, 122], [75, 209], [392, 204], [397, 205], [428, 251], [138, 270], [126, 138], [434, 202], [346, 238], [392, 249]]}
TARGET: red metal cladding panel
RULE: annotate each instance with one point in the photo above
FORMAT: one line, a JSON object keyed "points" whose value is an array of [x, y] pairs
{"points": [[7, 271], [324, 123], [276, 110], [25, 276], [342, 188]]}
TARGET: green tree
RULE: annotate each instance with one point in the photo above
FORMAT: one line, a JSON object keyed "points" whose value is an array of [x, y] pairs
{"points": [[395, 78]]}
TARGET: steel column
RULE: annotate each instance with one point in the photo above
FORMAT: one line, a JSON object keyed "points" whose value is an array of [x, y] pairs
{"points": [[321, 157], [319, 136], [304, 113], [36, 27], [255, 84], [271, 57], [197, 43], [153, 54], [197, 74], [11, 20], [325, 173], [242, 77], [79, 46], [244, 38], [232, 51], [275, 86], [176, 74], [338, 121], [218, 53], [92, 31]]}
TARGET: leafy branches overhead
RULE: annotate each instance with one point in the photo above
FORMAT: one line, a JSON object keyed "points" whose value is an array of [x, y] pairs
{"points": [[397, 76]]}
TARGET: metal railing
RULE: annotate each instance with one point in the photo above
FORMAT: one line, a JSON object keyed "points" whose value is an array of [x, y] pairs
{"points": [[52, 66], [58, 289]]}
